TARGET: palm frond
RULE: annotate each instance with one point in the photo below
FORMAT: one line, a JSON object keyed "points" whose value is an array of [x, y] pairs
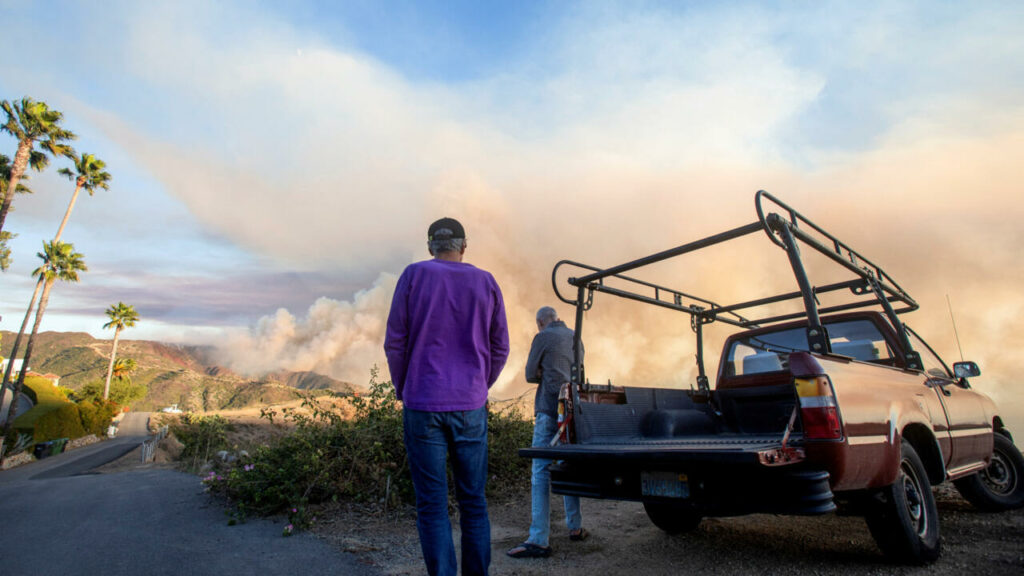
{"points": [[121, 316], [60, 262], [89, 173], [38, 161]]}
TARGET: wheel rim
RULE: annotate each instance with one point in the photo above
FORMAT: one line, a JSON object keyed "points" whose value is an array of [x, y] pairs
{"points": [[1000, 476], [914, 499]]}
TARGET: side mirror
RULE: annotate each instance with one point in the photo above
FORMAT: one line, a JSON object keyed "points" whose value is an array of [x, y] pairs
{"points": [[966, 369]]}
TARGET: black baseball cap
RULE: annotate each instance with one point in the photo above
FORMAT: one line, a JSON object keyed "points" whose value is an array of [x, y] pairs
{"points": [[445, 229]]}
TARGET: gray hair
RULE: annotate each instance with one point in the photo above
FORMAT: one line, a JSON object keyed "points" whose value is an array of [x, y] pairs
{"points": [[446, 245], [546, 315]]}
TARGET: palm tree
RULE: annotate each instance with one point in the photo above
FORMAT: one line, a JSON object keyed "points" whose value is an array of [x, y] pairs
{"points": [[88, 167], [60, 262], [121, 316], [32, 123], [123, 369], [89, 175], [5, 176], [6, 381], [5, 251]]}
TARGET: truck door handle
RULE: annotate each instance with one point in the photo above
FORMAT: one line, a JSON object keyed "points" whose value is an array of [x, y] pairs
{"points": [[941, 385]]}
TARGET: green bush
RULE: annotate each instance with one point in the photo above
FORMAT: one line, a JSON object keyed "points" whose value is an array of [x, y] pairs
{"points": [[96, 416], [46, 397], [64, 422], [202, 436], [122, 392], [508, 431], [361, 459]]}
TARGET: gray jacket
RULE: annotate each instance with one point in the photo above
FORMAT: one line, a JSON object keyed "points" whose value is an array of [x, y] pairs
{"points": [[548, 365]]}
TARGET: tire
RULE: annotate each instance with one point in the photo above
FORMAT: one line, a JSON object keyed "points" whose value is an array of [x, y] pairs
{"points": [[999, 487], [902, 517], [672, 518]]}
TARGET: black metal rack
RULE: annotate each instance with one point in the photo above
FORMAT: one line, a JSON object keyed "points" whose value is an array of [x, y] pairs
{"points": [[786, 228]]}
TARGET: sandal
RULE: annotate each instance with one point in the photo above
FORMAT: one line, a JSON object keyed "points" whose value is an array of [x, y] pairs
{"points": [[579, 535], [528, 550]]}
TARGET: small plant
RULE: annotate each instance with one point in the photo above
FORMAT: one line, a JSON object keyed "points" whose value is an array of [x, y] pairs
{"points": [[202, 436], [19, 443]]}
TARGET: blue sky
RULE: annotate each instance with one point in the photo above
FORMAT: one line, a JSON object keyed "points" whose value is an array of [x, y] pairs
{"points": [[274, 166]]}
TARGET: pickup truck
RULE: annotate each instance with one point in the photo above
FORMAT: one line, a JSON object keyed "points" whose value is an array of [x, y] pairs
{"points": [[834, 403]]}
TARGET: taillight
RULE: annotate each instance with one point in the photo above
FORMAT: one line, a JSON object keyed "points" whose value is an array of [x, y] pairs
{"points": [[818, 408]]}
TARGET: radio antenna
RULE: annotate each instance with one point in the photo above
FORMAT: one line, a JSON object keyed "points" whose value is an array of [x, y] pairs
{"points": [[955, 333]]}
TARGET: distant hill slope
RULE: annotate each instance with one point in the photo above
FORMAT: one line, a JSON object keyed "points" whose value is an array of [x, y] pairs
{"points": [[173, 374]]}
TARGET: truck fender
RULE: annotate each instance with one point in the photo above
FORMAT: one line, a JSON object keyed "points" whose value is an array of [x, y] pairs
{"points": [[999, 428], [927, 447]]}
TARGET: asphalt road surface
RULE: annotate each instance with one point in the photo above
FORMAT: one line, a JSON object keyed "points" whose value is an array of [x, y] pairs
{"points": [[67, 521]]}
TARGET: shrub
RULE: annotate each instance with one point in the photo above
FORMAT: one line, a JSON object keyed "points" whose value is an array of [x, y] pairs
{"points": [[361, 459], [96, 416], [122, 392], [15, 443], [64, 422], [508, 431], [202, 436], [46, 398]]}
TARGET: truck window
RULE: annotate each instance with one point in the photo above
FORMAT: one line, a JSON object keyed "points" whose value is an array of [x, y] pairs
{"points": [[764, 352], [933, 365], [859, 339]]}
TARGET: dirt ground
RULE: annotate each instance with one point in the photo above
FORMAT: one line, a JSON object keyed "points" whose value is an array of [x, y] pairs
{"points": [[623, 541]]}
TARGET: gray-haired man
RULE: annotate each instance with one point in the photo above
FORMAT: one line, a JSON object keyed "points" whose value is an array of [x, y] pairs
{"points": [[547, 366]]}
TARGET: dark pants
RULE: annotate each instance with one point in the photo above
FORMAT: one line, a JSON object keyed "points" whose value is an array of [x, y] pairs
{"points": [[429, 438]]}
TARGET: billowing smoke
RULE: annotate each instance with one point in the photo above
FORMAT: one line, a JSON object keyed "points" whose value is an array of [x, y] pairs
{"points": [[937, 231], [337, 338]]}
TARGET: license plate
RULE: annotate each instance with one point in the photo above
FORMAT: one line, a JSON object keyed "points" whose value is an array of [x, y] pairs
{"points": [[664, 484]]}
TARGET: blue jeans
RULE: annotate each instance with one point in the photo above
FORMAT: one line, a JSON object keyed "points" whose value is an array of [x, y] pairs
{"points": [[429, 438], [544, 429]]}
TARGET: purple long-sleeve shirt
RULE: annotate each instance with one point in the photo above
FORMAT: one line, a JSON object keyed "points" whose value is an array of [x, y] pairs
{"points": [[447, 337]]}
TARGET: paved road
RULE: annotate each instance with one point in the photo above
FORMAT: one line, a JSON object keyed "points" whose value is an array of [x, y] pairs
{"points": [[69, 521]]}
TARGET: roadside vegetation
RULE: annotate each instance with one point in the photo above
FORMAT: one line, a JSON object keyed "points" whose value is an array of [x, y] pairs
{"points": [[56, 416], [337, 452]]}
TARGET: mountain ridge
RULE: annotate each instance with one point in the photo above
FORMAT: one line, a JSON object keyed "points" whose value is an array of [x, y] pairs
{"points": [[182, 374]]}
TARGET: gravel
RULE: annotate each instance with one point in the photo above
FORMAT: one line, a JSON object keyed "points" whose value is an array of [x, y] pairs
{"points": [[623, 541]]}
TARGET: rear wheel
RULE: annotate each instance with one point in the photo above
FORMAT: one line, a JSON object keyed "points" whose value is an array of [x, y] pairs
{"points": [[903, 518], [1000, 486], [672, 518]]}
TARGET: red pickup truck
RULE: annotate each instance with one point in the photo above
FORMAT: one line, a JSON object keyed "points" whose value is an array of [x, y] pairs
{"points": [[837, 403]]}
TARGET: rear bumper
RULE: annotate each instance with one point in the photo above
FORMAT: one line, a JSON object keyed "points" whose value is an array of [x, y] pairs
{"points": [[707, 450], [728, 481]]}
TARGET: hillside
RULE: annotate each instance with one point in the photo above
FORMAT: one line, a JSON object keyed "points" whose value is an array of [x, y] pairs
{"points": [[172, 374]]}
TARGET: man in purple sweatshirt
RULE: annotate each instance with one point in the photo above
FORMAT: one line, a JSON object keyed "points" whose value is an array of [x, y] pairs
{"points": [[446, 343]]}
